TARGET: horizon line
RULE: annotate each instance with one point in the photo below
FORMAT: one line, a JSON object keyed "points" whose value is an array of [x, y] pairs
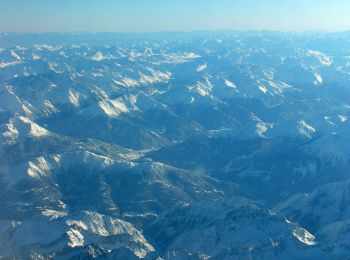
{"points": [[178, 31]]}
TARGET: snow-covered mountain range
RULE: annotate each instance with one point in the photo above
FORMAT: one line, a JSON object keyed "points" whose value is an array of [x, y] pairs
{"points": [[220, 145]]}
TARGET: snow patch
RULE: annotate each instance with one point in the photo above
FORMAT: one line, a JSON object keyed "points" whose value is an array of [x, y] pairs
{"points": [[75, 237], [190, 55], [204, 89], [323, 58], [328, 119], [39, 168], [113, 108], [35, 57], [262, 128], [270, 73], [342, 118], [263, 89], [74, 97], [230, 84], [177, 58], [305, 129], [8, 64], [318, 78], [15, 55], [21, 48], [279, 85], [128, 82], [155, 77], [10, 134], [304, 236], [39, 47], [53, 214], [98, 56], [49, 107], [54, 67], [201, 68], [35, 129]]}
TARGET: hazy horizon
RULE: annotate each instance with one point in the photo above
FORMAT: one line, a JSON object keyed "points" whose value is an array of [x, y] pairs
{"points": [[166, 16], [182, 31]]}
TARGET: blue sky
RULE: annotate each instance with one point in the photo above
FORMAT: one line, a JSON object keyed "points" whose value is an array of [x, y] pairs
{"points": [[173, 15]]}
